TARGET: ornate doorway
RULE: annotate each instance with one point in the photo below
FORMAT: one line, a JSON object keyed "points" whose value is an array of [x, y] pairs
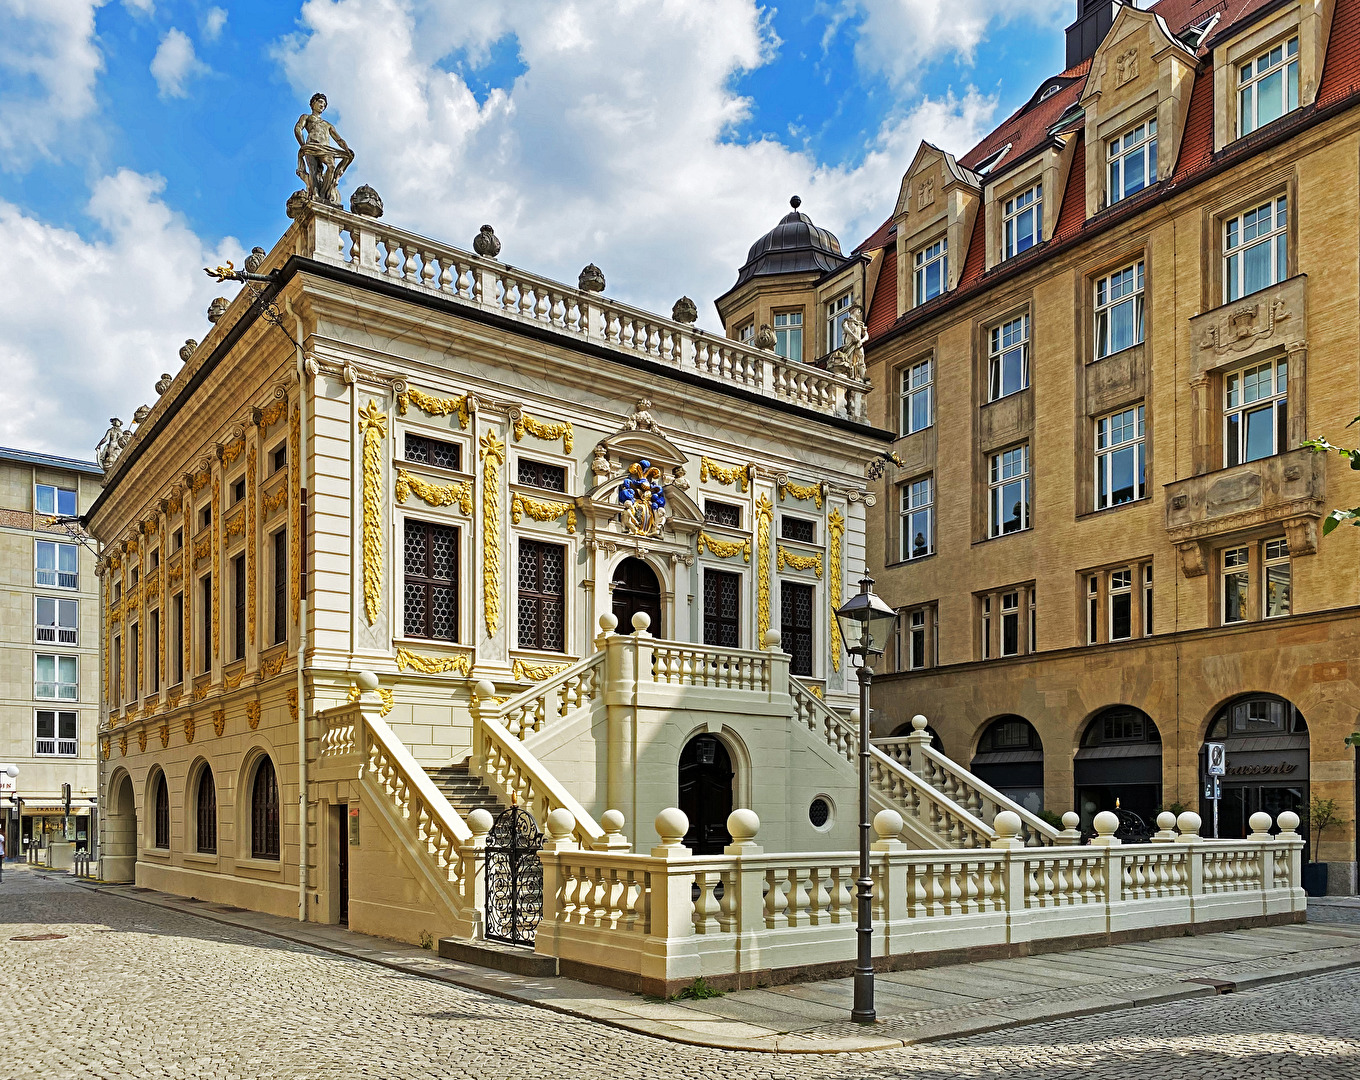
{"points": [[636, 588], [706, 794]]}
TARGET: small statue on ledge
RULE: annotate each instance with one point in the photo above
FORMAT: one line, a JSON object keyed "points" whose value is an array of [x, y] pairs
{"points": [[112, 444], [765, 338], [849, 358], [320, 165]]}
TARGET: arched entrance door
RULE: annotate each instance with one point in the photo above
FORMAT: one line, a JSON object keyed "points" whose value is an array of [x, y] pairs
{"points": [[637, 589], [1119, 767], [1266, 743], [120, 848], [1010, 757], [706, 794]]}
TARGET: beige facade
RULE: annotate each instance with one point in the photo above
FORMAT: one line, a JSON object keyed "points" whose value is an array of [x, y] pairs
{"points": [[49, 650], [1125, 525]]}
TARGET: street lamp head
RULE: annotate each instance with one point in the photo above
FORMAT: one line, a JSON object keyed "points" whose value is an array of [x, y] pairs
{"points": [[11, 771], [866, 622]]}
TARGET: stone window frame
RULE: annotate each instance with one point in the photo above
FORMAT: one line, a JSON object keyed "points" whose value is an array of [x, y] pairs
{"points": [[1254, 543], [902, 372], [1097, 453], [988, 615], [1139, 295], [569, 553], [1144, 147], [940, 238], [903, 495], [1094, 606], [929, 614]]}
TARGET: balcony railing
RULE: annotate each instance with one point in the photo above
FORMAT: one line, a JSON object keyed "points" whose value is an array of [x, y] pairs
{"points": [[54, 635], [61, 579], [56, 747]]}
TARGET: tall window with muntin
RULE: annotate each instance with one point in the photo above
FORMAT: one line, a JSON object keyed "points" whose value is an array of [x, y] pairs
{"points": [[161, 804], [932, 270], [1008, 358], [788, 335], [1256, 412], [1236, 584], [55, 564], [1022, 218], [1132, 160], [1119, 310], [918, 518], [264, 812], [206, 805], [722, 608], [1121, 462], [1008, 491], [917, 399], [837, 311], [1256, 249], [1268, 86], [1275, 602]]}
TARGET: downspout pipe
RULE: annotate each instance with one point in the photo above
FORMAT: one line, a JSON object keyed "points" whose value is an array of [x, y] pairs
{"points": [[304, 484]]}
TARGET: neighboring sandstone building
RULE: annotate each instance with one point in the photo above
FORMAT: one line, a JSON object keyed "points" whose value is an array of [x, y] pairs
{"points": [[439, 478], [1102, 336], [49, 639]]}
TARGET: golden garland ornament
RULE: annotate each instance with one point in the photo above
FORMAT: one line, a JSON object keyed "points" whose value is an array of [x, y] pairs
{"points": [[764, 517], [433, 406], [373, 427], [219, 718], [536, 672], [541, 510], [388, 704], [164, 733], [250, 544], [529, 425], [272, 502], [271, 667], [104, 747], [433, 665], [235, 525], [292, 697], [725, 549], [835, 527], [232, 452], [459, 495], [253, 713], [801, 492], [725, 474], [122, 744], [231, 682], [295, 537], [200, 481], [216, 567], [492, 453], [272, 415], [798, 562]]}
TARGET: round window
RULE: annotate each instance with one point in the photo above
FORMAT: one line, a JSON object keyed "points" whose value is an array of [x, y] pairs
{"points": [[819, 813]]}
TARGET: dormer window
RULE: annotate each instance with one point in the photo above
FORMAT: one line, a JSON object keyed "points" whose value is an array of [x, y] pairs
{"points": [[986, 165], [788, 335], [1133, 161], [932, 270], [1268, 86], [1023, 216]]}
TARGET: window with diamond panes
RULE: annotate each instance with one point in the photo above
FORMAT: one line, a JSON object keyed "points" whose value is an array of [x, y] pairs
{"points": [[540, 474], [722, 608], [721, 513], [795, 625], [430, 607], [426, 451], [541, 597], [800, 529]]}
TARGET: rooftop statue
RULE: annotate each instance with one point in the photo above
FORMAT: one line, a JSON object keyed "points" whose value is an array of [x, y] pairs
{"points": [[320, 165], [112, 444], [849, 358]]}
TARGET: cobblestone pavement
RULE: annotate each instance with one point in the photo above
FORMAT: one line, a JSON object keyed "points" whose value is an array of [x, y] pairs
{"points": [[139, 991], [1334, 909]]}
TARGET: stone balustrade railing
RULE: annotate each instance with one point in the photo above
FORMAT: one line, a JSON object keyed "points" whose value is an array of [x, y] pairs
{"points": [[959, 785], [658, 921], [374, 247], [577, 686]]}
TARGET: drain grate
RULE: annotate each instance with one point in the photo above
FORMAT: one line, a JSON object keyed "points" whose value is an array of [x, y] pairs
{"points": [[38, 937]]}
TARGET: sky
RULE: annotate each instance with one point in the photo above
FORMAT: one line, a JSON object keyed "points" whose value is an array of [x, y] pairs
{"points": [[141, 140]]}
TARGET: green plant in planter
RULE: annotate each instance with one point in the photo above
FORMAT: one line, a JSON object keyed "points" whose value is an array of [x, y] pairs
{"points": [[1322, 815]]}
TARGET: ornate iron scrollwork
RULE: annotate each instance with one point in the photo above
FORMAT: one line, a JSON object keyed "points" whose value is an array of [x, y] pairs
{"points": [[514, 878]]}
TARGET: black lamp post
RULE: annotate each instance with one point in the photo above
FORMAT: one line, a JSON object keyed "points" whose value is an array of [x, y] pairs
{"points": [[866, 626]]}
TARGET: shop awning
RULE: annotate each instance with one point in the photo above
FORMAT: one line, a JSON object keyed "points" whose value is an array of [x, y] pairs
{"points": [[55, 806]]}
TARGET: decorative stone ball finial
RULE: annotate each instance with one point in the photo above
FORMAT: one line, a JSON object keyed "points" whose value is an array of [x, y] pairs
{"points": [[919, 722], [685, 311], [1106, 823], [611, 821], [795, 202], [743, 825], [591, 279], [1007, 824], [1071, 820], [1288, 822], [217, 308], [609, 622], [641, 620], [366, 681], [887, 824], [480, 822], [671, 825], [485, 688], [186, 351], [1188, 823], [366, 202], [1166, 821], [163, 383], [771, 639], [255, 260], [486, 243], [561, 824], [1260, 825]]}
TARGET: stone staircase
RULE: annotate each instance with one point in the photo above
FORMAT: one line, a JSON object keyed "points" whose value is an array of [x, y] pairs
{"points": [[465, 790]]}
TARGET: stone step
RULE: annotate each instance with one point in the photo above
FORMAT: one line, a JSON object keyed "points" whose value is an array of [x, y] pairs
{"points": [[464, 790]]}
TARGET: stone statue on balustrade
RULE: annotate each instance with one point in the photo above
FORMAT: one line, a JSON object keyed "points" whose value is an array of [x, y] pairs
{"points": [[112, 444], [320, 165], [849, 358]]}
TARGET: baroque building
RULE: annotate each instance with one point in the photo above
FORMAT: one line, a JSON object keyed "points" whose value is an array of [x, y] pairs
{"points": [[50, 655], [1102, 337]]}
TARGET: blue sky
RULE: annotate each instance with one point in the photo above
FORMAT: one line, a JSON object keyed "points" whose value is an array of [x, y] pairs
{"points": [[139, 138]]}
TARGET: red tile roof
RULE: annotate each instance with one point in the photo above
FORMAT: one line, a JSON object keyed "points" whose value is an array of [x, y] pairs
{"points": [[1341, 71], [878, 238], [1072, 213], [976, 260], [883, 304], [1027, 127]]}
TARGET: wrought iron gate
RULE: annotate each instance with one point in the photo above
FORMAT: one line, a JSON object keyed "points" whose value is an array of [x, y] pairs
{"points": [[514, 878]]}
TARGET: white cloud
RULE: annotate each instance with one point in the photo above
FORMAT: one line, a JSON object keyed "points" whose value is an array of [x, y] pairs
{"points": [[610, 147], [141, 7], [896, 36], [48, 65], [88, 325], [175, 64], [213, 21]]}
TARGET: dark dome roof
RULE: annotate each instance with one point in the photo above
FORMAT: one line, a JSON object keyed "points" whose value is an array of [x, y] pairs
{"points": [[794, 245]]}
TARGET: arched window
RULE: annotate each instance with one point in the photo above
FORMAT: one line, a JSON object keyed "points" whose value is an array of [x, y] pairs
{"points": [[264, 812], [1119, 767], [1010, 757], [207, 813], [903, 730], [1265, 745], [161, 801]]}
